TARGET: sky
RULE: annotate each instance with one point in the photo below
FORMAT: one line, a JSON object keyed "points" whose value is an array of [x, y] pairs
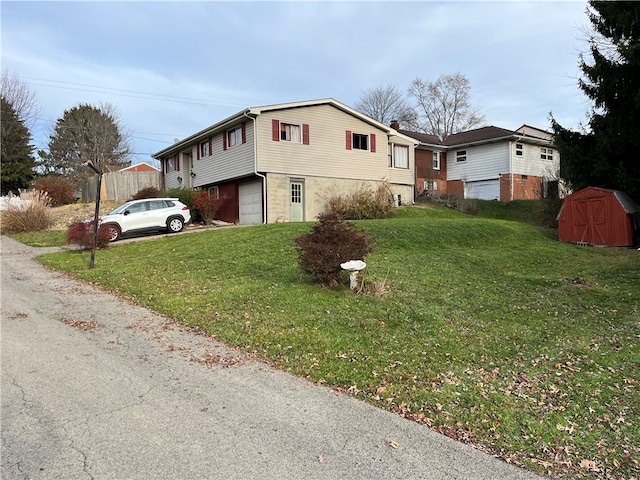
{"points": [[173, 68]]}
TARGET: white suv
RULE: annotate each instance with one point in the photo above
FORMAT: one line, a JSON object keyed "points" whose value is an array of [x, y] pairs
{"points": [[149, 214]]}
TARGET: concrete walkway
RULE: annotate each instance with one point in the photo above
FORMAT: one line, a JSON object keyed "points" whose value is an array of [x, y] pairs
{"points": [[94, 387]]}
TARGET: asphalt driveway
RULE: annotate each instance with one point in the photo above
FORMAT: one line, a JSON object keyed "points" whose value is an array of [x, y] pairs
{"points": [[94, 387]]}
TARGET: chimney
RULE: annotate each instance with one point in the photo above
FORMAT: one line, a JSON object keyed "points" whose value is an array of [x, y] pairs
{"points": [[395, 125]]}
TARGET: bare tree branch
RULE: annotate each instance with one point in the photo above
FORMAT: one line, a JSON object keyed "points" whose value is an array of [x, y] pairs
{"points": [[385, 104], [18, 94], [445, 105]]}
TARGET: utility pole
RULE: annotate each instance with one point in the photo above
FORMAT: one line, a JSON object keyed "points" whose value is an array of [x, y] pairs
{"points": [[96, 216]]}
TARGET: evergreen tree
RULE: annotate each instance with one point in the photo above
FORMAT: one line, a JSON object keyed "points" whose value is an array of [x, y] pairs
{"points": [[85, 133], [16, 154], [607, 153]]}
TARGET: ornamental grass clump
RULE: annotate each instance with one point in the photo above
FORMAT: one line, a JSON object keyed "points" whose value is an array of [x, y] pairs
{"points": [[333, 241], [366, 203], [27, 215]]}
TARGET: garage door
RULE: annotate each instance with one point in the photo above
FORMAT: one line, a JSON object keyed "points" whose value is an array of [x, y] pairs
{"points": [[485, 190], [250, 196]]}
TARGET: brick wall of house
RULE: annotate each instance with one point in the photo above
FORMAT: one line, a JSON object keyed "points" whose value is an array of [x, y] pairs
{"points": [[455, 188], [525, 187], [426, 173]]}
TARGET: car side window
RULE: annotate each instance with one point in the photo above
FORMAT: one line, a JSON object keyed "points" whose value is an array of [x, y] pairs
{"points": [[138, 207], [157, 204]]}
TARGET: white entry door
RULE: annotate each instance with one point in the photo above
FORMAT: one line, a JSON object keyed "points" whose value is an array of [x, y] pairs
{"points": [[250, 198], [296, 206]]}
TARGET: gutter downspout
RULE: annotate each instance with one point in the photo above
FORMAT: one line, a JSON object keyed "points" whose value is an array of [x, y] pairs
{"points": [[255, 170], [518, 140]]}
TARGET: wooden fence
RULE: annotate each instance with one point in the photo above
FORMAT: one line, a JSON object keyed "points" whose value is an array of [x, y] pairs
{"points": [[120, 186]]}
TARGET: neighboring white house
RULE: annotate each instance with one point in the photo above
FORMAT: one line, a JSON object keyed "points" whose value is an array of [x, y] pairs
{"points": [[494, 163], [279, 162]]}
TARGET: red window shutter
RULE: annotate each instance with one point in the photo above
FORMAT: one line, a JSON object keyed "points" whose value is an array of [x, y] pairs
{"points": [[211, 146], [177, 157], [305, 134], [224, 140], [198, 151], [348, 138], [373, 143], [275, 130], [244, 132]]}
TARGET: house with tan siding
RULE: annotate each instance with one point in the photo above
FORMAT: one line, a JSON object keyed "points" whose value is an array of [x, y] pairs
{"points": [[489, 163], [279, 162]]}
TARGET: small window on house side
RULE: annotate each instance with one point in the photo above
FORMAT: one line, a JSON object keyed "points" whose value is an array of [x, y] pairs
{"points": [[171, 164], [436, 160], [431, 185], [360, 141], [519, 149], [214, 191], [290, 133], [546, 153], [400, 156], [204, 149], [461, 156], [234, 136]]}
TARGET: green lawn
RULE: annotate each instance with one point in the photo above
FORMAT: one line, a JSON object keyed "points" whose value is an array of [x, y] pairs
{"points": [[485, 329]]}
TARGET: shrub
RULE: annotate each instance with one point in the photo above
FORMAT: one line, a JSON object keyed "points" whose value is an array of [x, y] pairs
{"points": [[332, 242], [27, 215], [81, 233], [470, 206], [365, 203], [147, 192], [207, 204], [59, 189], [549, 210]]}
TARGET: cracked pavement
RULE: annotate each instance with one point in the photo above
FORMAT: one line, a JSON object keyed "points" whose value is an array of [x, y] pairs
{"points": [[94, 387]]}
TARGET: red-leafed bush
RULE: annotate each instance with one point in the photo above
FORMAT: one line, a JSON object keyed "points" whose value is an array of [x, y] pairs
{"points": [[81, 233], [332, 242], [207, 204], [147, 192], [59, 190]]}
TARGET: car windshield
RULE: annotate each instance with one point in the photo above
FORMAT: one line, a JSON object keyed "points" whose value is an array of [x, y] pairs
{"points": [[120, 209]]}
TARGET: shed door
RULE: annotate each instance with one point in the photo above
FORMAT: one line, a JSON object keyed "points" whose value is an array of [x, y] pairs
{"points": [[590, 220], [250, 198]]}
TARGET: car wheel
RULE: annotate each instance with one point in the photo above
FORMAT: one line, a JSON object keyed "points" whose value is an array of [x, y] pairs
{"points": [[175, 225], [113, 232]]}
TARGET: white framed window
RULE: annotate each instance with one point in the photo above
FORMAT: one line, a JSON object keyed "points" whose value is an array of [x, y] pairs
{"points": [[461, 156], [290, 132], [436, 160], [431, 185], [173, 163], [360, 141], [519, 149], [546, 153], [234, 136], [214, 191], [204, 149], [400, 156]]}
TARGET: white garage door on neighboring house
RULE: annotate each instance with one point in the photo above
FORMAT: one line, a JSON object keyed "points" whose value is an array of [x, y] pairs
{"points": [[250, 196], [484, 190]]}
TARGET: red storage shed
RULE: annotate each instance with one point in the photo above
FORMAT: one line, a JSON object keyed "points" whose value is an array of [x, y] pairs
{"points": [[598, 216]]}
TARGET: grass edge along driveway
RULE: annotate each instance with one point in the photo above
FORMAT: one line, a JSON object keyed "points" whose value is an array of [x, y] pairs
{"points": [[488, 331]]}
